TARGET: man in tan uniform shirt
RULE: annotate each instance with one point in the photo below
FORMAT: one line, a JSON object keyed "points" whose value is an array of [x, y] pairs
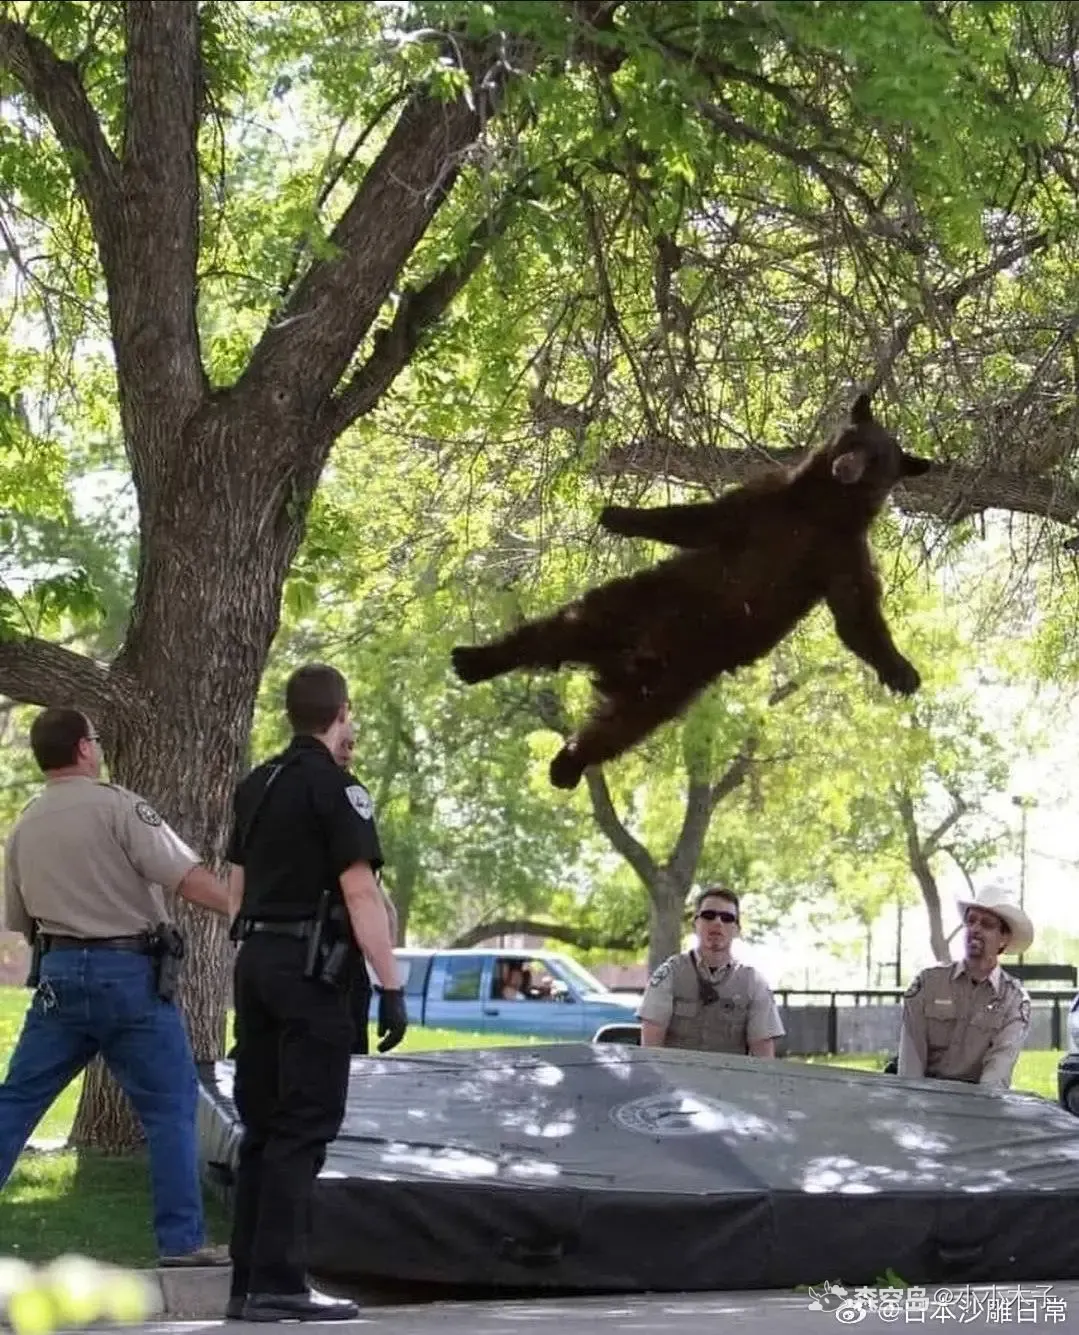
{"points": [[969, 1020], [87, 866], [703, 999]]}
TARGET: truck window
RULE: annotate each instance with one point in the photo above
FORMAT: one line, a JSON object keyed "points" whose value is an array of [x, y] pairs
{"points": [[462, 981], [519, 979], [416, 982]]}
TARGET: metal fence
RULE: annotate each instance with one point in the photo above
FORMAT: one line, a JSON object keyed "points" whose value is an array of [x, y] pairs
{"points": [[867, 1020]]}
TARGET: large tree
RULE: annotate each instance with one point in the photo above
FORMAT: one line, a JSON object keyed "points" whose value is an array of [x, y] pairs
{"points": [[225, 460], [227, 299]]}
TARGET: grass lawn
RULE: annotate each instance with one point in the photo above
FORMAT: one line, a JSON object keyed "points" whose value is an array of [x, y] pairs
{"points": [[58, 1201]]}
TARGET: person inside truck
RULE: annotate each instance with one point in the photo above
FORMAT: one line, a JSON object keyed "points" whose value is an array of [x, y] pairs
{"points": [[512, 981]]}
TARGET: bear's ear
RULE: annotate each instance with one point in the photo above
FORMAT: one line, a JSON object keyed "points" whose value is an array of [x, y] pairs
{"points": [[849, 466], [861, 412], [915, 467]]}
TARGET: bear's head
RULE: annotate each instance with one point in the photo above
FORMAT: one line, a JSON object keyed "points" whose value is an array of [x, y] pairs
{"points": [[867, 457]]}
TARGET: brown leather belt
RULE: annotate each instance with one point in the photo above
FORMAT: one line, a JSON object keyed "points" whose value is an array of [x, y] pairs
{"points": [[139, 945]]}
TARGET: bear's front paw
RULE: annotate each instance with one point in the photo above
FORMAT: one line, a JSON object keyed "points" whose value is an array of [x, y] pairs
{"points": [[614, 517], [903, 678], [467, 663]]}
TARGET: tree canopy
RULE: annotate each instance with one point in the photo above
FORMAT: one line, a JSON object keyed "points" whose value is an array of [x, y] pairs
{"points": [[351, 314]]}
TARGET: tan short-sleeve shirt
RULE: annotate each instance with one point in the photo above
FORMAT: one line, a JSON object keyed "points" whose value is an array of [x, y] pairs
{"points": [[955, 1027], [89, 859], [672, 992]]}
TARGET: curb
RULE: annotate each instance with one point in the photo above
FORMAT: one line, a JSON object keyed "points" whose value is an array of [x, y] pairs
{"points": [[197, 1293]]}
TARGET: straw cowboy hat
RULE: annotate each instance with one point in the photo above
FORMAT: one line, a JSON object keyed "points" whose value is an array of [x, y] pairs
{"points": [[1001, 900]]}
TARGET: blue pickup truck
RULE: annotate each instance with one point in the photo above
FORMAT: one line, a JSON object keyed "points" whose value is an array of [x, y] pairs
{"points": [[540, 994]]}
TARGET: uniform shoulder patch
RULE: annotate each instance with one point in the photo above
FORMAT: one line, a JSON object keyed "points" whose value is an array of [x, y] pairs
{"points": [[662, 973], [915, 987], [146, 813], [360, 800], [1024, 1010]]}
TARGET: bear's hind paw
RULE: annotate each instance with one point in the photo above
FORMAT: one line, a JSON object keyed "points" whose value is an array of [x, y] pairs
{"points": [[566, 769]]}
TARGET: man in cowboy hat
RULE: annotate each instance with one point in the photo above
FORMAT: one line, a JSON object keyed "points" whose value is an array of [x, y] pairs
{"points": [[969, 1020]]}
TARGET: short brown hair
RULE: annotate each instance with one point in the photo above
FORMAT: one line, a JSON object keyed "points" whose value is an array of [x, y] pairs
{"points": [[716, 892], [55, 736], [314, 696]]}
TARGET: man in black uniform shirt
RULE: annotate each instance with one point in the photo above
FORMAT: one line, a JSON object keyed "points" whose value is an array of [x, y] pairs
{"points": [[304, 852]]}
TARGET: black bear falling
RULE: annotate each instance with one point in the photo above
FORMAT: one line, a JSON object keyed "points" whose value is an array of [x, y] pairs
{"points": [[753, 564]]}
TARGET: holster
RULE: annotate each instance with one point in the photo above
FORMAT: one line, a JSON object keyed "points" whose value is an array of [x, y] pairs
{"points": [[329, 947], [168, 949], [37, 949]]}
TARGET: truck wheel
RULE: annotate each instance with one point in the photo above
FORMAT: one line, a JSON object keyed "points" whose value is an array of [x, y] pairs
{"points": [[1071, 1098]]}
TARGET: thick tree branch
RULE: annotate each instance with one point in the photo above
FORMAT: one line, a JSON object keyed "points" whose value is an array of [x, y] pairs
{"points": [[581, 937], [333, 176], [695, 821], [703, 797], [151, 261], [959, 809], [417, 312], [617, 835], [603, 812], [35, 672], [950, 492], [923, 873], [56, 88], [304, 353], [840, 183]]}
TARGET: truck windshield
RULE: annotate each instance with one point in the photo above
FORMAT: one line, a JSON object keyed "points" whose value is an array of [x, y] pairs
{"points": [[572, 972]]}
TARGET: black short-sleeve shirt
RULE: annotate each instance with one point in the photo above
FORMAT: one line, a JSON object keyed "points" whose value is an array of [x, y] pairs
{"points": [[295, 838]]}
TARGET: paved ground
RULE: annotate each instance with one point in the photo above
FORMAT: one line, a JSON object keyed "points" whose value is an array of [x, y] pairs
{"points": [[973, 1309]]}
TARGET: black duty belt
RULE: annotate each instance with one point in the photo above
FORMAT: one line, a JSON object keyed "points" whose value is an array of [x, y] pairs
{"points": [[138, 945], [253, 926]]}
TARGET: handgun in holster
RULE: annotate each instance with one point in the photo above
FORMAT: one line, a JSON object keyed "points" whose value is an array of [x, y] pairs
{"points": [[168, 950], [37, 949], [328, 946]]}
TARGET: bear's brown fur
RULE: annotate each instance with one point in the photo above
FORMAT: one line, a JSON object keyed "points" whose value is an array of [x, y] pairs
{"points": [[755, 563]]}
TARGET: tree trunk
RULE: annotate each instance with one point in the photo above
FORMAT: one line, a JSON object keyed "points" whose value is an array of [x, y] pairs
{"points": [[404, 889], [105, 1119], [922, 868], [938, 942], [204, 619], [665, 925], [225, 476]]}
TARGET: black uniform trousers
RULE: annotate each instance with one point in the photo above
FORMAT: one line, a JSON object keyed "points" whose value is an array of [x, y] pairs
{"points": [[293, 1041]]}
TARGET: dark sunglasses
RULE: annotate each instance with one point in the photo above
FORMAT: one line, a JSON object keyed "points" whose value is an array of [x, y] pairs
{"points": [[724, 915]]}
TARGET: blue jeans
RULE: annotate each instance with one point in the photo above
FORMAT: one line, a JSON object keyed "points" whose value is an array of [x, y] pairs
{"points": [[105, 1001]]}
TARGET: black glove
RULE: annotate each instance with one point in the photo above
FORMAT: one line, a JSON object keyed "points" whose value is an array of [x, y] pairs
{"points": [[392, 1017]]}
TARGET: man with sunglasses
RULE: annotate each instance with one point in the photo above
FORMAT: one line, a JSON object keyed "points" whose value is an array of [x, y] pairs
{"points": [[705, 1000], [969, 1020]]}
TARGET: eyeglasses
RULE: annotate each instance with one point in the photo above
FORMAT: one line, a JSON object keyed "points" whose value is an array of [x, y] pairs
{"points": [[724, 915]]}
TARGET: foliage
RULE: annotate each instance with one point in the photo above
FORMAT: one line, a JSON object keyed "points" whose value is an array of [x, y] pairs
{"points": [[700, 225]]}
